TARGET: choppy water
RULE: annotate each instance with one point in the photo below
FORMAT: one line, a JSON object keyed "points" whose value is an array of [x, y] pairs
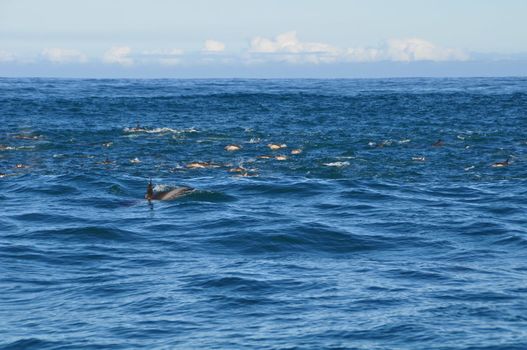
{"points": [[371, 238]]}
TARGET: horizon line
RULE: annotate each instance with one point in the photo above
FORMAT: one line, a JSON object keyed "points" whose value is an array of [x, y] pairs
{"points": [[273, 78]]}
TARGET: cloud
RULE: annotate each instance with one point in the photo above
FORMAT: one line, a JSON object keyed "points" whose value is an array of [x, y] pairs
{"points": [[405, 50], [288, 42], [169, 57], [58, 55], [287, 47], [213, 46], [362, 54], [169, 52], [6, 56], [119, 55], [415, 49]]}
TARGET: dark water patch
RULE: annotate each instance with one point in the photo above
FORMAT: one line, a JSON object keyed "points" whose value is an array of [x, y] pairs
{"points": [[298, 189], [234, 284], [308, 238], [33, 343], [44, 257], [52, 190], [84, 234], [483, 228], [208, 196], [373, 196], [108, 202], [417, 275], [54, 218]]}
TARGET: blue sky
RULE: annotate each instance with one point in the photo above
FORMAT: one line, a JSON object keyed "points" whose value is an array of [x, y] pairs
{"points": [[287, 38]]}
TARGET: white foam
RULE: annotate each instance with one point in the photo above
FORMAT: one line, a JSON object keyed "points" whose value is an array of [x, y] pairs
{"points": [[158, 130], [162, 188], [11, 148], [337, 164]]}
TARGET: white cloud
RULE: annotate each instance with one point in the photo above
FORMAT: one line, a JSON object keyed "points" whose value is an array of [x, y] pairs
{"points": [[288, 42], [169, 52], [362, 54], [58, 55], [119, 55], [406, 50], [287, 47], [415, 49], [6, 56], [168, 57], [213, 46]]}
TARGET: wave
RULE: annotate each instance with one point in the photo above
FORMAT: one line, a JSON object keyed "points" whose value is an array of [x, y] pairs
{"points": [[307, 238], [163, 130], [337, 164], [33, 343]]}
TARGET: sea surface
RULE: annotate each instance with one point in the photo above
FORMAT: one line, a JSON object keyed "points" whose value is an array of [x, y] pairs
{"points": [[389, 229]]}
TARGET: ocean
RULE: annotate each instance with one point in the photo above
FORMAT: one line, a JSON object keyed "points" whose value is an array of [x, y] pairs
{"points": [[377, 222]]}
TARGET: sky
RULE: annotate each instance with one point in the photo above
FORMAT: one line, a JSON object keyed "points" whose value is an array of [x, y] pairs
{"points": [[262, 39]]}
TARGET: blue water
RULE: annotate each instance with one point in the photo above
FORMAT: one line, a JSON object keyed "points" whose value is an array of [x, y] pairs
{"points": [[371, 238]]}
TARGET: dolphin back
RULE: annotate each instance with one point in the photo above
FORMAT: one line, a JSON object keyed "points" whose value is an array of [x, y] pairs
{"points": [[174, 193]]}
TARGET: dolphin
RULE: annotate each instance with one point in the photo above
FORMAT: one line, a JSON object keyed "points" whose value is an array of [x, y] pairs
{"points": [[165, 195], [275, 146], [502, 164], [233, 147], [438, 143]]}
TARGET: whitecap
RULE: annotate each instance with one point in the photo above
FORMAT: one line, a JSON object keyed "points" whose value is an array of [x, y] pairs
{"points": [[11, 148], [337, 164], [158, 130], [162, 187], [163, 130]]}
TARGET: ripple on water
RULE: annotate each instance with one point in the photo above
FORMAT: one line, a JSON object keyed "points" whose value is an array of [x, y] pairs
{"points": [[83, 234], [306, 238]]}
